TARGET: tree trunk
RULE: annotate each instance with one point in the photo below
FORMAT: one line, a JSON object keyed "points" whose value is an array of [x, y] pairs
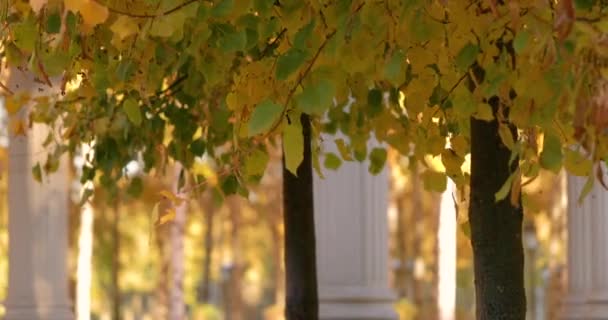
{"points": [[177, 306], [207, 205], [162, 289], [300, 251], [116, 265], [496, 227], [238, 265]]}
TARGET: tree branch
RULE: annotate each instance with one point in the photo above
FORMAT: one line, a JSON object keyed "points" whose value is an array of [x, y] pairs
{"points": [[150, 16]]}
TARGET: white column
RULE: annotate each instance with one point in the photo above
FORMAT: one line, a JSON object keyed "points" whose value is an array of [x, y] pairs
{"points": [[598, 299], [447, 254], [352, 242], [38, 237], [579, 251], [84, 267]]}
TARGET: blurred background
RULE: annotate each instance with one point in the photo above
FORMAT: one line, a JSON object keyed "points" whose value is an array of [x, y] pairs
{"points": [[233, 248]]}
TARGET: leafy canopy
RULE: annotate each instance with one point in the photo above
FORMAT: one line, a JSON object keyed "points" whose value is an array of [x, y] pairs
{"points": [[222, 79]]}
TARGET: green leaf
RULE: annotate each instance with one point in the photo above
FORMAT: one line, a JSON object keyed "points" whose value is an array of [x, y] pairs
{"points": [[168, 25], [132, 111], [25, 34], [265, 114], [289, 63], [467, 55], [332, 161], [222, 8], [233, 41], [434, 181], [374, 100], [53, 23], [37, 172], [521, 41], [293, 146], [198, 147], [503, 192], [256, 162], [551, 156], [230, 185], [464, 104], [316, 98], [584, 4], [377, 159], [303, 35], [394, 70]]}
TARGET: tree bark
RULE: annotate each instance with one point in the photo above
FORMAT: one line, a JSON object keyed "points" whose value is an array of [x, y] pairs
{"points": [[177, 306], [207, 205], [236, 277], [300, 251], [496, 227], [116, 264]]}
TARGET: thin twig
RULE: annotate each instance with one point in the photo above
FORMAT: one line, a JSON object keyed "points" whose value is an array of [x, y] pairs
{"points": [[173, 85], [273, 43], [146, 15], [299, 81]]}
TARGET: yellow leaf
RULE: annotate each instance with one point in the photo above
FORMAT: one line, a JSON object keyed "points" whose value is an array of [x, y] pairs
{"points": [[293, 145], [577, 164], [506, 136], [124, 27], [18, 127], [434, 181], [345, 151], [484, 112], [460, 145], [92, 12], [168, 216], [451, 161], [14, 103], [516, 190], [171, 197]]}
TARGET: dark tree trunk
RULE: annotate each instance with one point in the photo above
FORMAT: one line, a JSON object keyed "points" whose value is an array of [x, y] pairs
{"points": [[496, 227], [300, 252]]}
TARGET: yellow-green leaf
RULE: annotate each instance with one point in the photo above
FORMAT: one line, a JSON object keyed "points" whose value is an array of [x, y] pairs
{"points": [[255, 163], [577, 164], [293, 146], [506, 136], [503, 192], [434, 181], [265, 114], [133, 111]]}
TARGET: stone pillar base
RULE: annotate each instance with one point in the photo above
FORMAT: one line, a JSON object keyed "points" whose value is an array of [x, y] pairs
{"points": [[356, 303], [33, 312], [574, 307]]}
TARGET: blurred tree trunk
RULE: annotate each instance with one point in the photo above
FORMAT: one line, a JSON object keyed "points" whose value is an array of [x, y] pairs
{"points": [[116, 296], [418, 231], [162, 289], [238, 267], [300, 244], [401, 277], [208, 208], [177, 305]]}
